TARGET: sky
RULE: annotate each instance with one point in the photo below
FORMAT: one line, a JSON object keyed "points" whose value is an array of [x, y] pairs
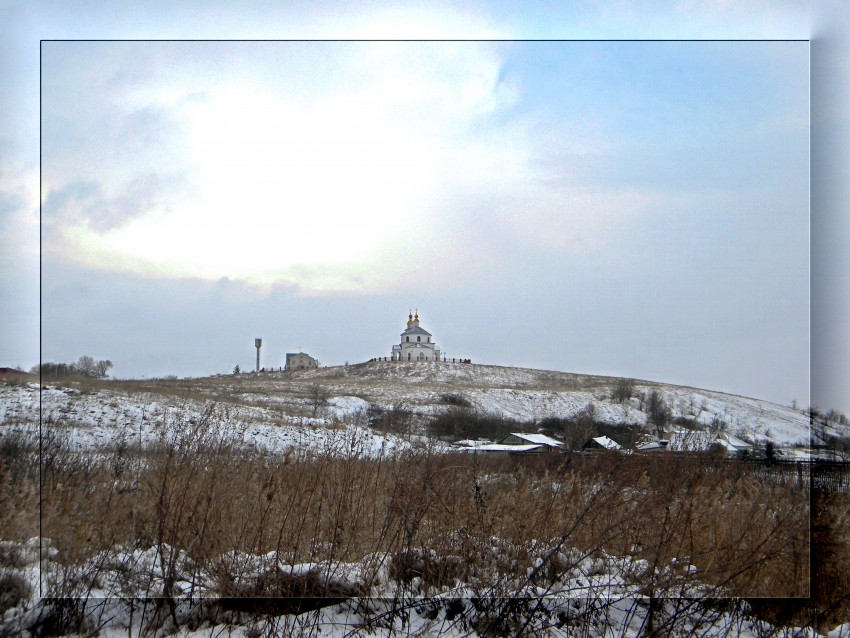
{"points": [[582, 202]]}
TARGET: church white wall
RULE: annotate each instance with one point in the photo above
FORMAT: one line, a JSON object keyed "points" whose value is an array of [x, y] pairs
{"points": [[429, 351]]}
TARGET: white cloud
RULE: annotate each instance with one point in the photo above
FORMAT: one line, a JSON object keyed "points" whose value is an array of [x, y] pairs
{"points": [[348, 173], [18, 213]]}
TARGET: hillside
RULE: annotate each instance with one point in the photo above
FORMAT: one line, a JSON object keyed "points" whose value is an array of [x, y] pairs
{"points": [[279, 410], [208, 493]]}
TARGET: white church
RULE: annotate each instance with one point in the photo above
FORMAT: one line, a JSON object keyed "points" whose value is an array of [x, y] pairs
{"points": [[416, 343]]}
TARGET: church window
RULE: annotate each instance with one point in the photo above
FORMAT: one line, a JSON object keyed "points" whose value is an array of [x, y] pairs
{"points": [[408, 356], [407, 338], [419, 338]]}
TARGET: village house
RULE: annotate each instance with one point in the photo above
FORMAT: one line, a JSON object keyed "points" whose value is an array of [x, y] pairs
{"points": [[653, 446], [601, 443], [517, 443], [733, 444], [522, 438]]}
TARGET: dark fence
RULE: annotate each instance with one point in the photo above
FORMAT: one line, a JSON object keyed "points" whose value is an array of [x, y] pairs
{"points": [[817, 474], [829, 476], [441, 360]]}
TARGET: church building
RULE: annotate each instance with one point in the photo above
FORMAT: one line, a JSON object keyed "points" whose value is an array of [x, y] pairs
{"points": [[416, 343]]}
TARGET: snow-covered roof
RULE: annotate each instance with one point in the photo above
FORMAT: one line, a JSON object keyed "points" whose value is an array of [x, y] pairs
{"points": [[726, 444], [652, 445], [737, 443], [539, 439], [416, 330], [502, 447], [607, 443], [471, 443]]}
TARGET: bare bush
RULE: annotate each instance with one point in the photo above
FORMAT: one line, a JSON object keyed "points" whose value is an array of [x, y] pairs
{"points": [[623, 390]]}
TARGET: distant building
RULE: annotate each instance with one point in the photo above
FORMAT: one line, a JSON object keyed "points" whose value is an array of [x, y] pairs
{"points": [[734, 445], [515, 443], [523, 438], [300, 361], [416, 343], [13, 371], [653, 446]]}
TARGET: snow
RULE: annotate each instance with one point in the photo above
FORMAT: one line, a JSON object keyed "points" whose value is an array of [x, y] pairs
{"points": [[105, 419], [595, 594], [530, 395]]}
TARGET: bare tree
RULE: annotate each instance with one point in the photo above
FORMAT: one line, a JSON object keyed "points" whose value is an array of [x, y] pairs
{"points": [[86, 366], [101, 367], [582, 427], [658, 413], [318, 398], [623, 390]]}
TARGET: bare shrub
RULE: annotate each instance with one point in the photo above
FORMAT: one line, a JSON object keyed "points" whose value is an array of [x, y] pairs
{"points": [[460, 423], [13, 590], [623, 390]]}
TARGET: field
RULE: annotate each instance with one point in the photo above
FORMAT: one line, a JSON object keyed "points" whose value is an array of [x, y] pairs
{"points": [[319, 503]]}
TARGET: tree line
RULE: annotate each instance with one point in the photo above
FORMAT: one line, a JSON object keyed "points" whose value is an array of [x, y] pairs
{"points": [[85, 366]]}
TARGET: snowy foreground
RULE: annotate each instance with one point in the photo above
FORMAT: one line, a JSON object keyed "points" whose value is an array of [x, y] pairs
{"points": [[158, 591]]}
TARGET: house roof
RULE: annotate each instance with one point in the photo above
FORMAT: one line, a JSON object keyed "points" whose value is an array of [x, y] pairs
{"points": [[652, 445], [737, 443], [537, 439], [502, 447], [471, 443], [607, 443], [724, 443]]}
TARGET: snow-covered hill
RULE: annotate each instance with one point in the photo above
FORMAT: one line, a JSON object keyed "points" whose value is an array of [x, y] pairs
{"points": [[309, 408], [530, 395]]}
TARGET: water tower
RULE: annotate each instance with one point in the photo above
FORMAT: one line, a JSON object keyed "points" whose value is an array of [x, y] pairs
{"points": [[257, 343]]}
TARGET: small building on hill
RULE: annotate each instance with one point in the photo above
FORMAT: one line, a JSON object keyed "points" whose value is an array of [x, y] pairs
{"points": [[416, 343], [300, 361]]}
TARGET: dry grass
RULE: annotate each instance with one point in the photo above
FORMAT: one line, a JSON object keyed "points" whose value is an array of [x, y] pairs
{"points": [[198, 491]]}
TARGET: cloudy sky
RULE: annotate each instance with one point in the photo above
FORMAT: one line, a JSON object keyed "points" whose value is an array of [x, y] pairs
{"points": [[637, 208]]}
